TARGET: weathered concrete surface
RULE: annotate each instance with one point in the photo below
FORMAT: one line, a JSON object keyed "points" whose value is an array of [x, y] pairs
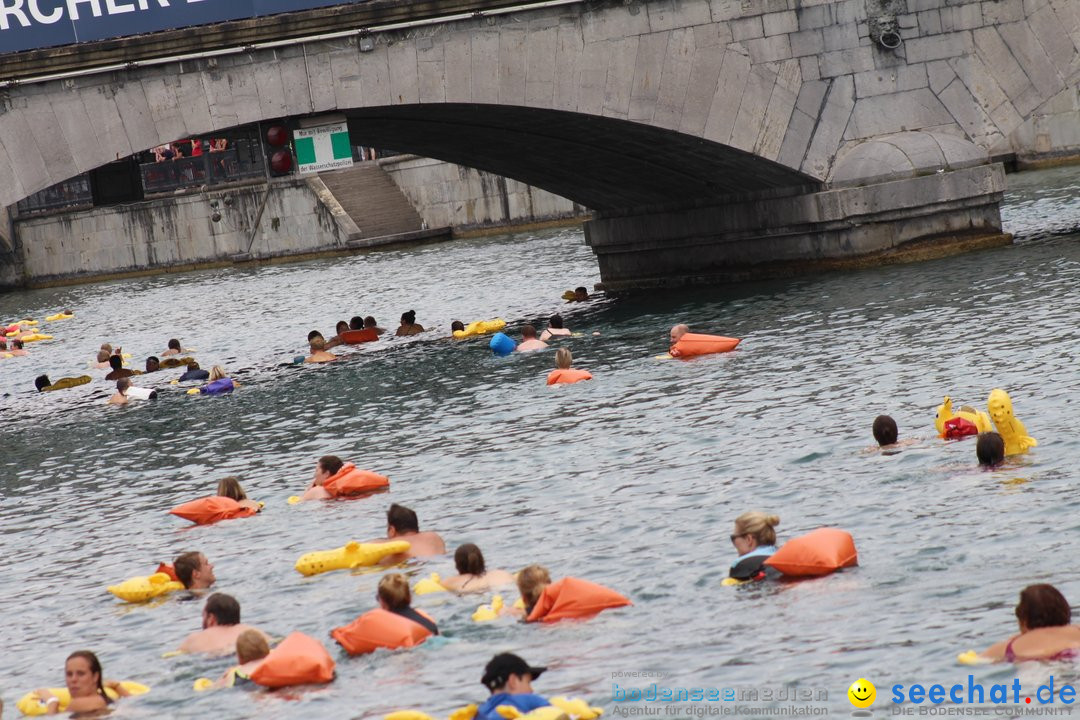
{"points": [[902, 220], [448, 195], [673, 99]]}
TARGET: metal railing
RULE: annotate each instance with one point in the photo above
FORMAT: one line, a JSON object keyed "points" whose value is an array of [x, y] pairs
{"points": [[72, 193], [210, 168]]}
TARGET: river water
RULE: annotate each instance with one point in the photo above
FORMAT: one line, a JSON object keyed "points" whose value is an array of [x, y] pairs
{"points": [[632, 480]]}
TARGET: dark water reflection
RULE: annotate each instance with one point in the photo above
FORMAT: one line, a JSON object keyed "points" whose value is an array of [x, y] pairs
{"points": [[631, 480]]}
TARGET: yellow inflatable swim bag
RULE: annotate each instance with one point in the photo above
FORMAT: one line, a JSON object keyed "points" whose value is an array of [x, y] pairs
{"points": [[1010, 428], [141, 589], [487, 613], [58, 316], [974, 416], [34, 337], [407, 715], [352, 555], [480, 327], [429, 585], [972, 658], [30, 704]]}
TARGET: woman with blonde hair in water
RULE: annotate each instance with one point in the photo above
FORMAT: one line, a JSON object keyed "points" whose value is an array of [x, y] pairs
{"points": [[755, 540], [230, 487]]}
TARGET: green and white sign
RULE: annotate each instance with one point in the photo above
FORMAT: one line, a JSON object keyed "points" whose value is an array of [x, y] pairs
{"points": [[324, 147]]}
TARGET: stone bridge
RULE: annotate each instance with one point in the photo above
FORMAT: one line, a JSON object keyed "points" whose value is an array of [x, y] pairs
{"points": [[713, 138]]}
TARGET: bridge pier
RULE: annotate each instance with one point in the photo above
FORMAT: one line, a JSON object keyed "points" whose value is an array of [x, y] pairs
{"points": [[903, 220]]}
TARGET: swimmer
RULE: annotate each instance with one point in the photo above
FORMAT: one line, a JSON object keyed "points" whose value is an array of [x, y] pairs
{"points": [[509, 680], [217, 373], [318, 352], [555, 328], [326, 467], [120, 397], [152, 364], [118, 369], [531, 582], [16, 348], [885, 431], [990, 449], [581, 294], [103, 359], [173, 349], [456, 326], [83, 678], [402, 524], [356, 322], [221, 627], [41, 382], [230, 487], [529, 343], [564, 359], [394, 596], [313, 334], [194, 571], [754, 539], [370, 324], [194, 372], [340, 328], [251, 650], [1043, 615], [472, 575], [409, 326], [677, 332]]}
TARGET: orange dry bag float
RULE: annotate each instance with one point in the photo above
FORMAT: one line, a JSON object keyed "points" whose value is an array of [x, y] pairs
{"points": [[211, 509], [350, 481], [168, 570], [380, 628], [559, 376], [692, 344], [818, 552], [298, 660], [574, 598], [355, 337]]}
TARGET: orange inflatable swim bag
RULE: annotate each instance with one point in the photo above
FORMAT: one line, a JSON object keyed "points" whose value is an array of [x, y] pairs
{"points": [[355, 337], [168, 570], [350, 481], [569, 376], [380, 628], [298, 660], [818, 552], [211, 509], [574, 598], [692, 345]]}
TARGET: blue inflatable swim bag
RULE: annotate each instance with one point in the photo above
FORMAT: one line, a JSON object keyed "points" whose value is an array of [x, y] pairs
{"points": [[501, 344], [218, 387]]}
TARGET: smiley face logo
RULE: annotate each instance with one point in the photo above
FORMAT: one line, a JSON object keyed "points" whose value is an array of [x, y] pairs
{"points": [[862, 693]]}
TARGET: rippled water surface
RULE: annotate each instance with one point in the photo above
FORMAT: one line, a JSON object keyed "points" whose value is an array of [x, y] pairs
{"points": [[632, 480]]}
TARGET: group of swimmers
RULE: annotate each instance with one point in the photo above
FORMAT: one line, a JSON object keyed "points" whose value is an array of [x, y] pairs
{"points": [[989, 446]]}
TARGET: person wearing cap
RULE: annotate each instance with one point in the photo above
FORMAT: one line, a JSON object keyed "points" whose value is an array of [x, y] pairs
{"points": [[509, 678]]}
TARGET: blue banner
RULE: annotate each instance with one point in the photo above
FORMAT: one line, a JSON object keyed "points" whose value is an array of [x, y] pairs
{"points": [[32, 24]]}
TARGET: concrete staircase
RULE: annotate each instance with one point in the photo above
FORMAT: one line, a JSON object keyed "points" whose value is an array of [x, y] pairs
{"points": [[369, 206]]}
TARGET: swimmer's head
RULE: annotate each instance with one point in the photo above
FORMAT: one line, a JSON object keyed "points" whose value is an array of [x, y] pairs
{"points": [[555, 321], [394, 592], [326, 468], [41, 382], [17, 344], [369, 322], [528, 332], [563, 358], [581, 293], [221, 610], [531, 583], [341, 327], [251, 646], [457, 325], [194, 571], [3, 344], [116, 362], [469, 560], [104, 355], [174, 344], [677, 332], [192, 365], [400, 520], [107, 347], [990, 449], [122, 385], [230, 487], [408, 318], [152, 364], [356, 323], [317, 343], [1042, 605], [313, 334], [758, 525], [885, 431]]}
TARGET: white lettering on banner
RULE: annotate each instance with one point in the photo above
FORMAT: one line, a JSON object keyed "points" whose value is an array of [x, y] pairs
{"points": [[55, 16], [14, 9], [113, 9], [73, 8]]}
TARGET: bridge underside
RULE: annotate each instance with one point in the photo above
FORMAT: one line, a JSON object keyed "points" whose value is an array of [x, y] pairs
{"points": [[602, 163]]}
